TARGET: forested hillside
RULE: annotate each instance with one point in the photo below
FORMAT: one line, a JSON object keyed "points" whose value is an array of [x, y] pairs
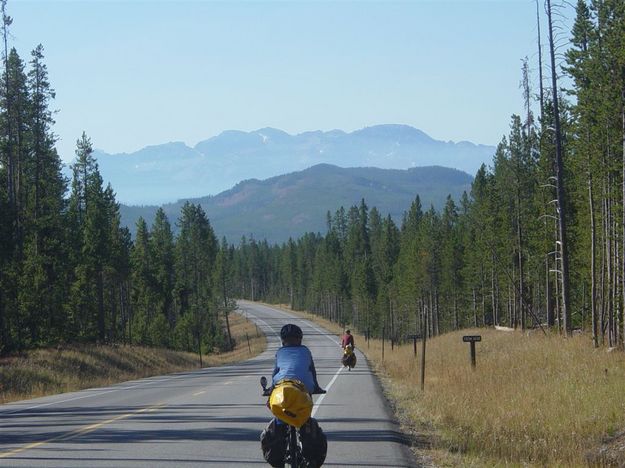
{"points": [[290, 205], [539, 240]]}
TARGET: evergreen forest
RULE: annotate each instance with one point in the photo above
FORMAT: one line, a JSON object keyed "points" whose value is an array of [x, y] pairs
{"points": [[539, 242]]}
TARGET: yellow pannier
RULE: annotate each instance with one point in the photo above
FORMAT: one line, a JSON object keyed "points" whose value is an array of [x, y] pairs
{"points": [[290, 402]]}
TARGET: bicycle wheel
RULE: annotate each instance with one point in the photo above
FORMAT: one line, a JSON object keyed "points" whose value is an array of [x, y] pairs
{"points": [[293, 447]]}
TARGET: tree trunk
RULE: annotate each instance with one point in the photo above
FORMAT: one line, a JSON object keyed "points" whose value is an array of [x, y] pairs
{"points": [[510, 307], [429, 318], [593, 261], [493, 294], [623, 203], [199, 345], [609, 267], [603, 268], [113, 299], [560, 182], [548, 305], [557, 283], [436, 314], [456, 321], [540, 63], [520, 310], [101, 322], [224, 293], [8, 105], [483, 304], [474, 309], [3, 331]]}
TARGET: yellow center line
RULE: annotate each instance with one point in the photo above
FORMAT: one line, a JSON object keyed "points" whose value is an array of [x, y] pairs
{"points": [[199, 393], [80, 431]]}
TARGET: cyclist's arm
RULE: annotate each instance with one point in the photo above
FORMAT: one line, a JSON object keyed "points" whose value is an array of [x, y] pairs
{"points": [[314, 372], [276, 369]]}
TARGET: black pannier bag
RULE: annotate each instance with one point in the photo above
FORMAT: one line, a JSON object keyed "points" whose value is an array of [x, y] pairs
{"points": [[349, 360], [314, 443], [273, 443]]}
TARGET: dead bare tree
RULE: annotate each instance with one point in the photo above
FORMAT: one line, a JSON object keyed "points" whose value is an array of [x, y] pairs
{"points": [[560, 195]]}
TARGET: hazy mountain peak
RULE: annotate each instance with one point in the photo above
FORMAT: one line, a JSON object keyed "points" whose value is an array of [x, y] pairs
{"points": [[398, 132], [335, 133], [173, 170], [273, 132]]}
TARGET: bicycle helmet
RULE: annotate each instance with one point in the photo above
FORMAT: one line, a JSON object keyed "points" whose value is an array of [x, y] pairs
{"points": [[291, 331]]}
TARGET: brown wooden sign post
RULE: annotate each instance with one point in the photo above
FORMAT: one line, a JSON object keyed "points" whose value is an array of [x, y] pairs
{"points": [[383, 332], [472, 339], [414, 339]]}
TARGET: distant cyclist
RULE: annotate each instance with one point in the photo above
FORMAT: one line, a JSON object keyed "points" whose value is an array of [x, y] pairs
{"points": [[348, 339]]}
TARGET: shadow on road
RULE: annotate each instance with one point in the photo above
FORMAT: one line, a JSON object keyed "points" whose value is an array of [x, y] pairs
{"points": [[377, 435]]}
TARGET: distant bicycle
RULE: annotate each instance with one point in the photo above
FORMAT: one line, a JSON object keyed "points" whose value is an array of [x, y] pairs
{"points": [[349, 357]]}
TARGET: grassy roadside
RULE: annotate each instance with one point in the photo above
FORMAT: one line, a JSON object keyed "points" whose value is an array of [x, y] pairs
{"points": [[533, 400], [50, 371]]}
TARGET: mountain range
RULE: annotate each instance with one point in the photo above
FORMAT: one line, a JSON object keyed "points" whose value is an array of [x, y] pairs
{"points": [[173, 171], [292, 204]]}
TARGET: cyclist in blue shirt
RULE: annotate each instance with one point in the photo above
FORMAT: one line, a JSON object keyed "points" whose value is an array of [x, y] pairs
{"points": [[294, 360]]}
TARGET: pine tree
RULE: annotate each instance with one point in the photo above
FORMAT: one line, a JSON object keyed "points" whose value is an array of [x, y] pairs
{"points": [[142, 284], [44, 273], [162, 248], [91, 236], [223, 284], [196, 247]]}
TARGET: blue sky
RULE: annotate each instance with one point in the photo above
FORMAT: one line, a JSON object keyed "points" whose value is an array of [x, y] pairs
{"points": [[135, 73]]}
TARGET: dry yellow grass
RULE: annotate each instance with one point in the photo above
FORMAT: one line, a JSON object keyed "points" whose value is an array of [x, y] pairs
{"points": [[50, 371], [241, 329], [533, 400]]}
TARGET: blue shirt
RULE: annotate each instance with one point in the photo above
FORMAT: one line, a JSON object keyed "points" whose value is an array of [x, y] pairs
{"points": [[295, 362]]}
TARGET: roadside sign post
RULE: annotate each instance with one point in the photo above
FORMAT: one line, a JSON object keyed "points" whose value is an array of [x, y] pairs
{"points": [[383, 332], [472, 339], [414, 339]]}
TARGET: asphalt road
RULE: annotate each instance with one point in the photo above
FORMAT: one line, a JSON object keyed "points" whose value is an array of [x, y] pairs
{"points": [[212, 416]]}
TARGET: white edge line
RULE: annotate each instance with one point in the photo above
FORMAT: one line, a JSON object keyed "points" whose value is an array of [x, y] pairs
{"points": [[318, 402]]}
